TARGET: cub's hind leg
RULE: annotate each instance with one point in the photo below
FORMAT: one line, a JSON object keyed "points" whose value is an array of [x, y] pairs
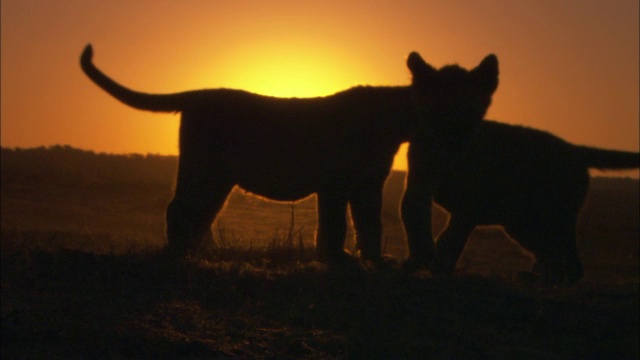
{"points": [[450, 244], [366, 212], [332, 227], [198, 199], [555, 247]]}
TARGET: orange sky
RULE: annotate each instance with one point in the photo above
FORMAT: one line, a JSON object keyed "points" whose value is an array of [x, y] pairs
{"points": [[570, 67]]}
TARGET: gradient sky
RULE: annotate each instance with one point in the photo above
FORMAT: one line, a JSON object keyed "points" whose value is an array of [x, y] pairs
{"points": [[569, 67]]}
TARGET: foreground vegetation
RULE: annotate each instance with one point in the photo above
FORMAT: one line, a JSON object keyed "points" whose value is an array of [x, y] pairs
{"points": [[274, 304], [83, 276]]}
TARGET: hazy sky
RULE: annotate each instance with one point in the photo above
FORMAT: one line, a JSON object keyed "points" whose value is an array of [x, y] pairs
{"points": [[569, 67]]}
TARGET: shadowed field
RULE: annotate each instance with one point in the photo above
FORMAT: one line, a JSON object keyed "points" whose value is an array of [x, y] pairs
{"points": [[82, 277]]}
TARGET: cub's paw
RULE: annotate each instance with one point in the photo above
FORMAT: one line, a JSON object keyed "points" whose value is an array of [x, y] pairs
{"points": [[563, 271], [382, 263], [339, 261], [414, 264]]}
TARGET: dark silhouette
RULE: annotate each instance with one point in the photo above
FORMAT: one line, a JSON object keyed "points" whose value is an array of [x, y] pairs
{"points": [[340, 147], [65, 165], [484, 172]]}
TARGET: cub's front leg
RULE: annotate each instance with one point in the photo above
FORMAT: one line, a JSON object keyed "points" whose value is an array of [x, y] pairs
{"points": [[451, 243], [332, 228], [416, 217]]}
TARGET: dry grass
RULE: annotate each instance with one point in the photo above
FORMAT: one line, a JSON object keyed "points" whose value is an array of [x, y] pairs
{"points": [[273, 303], [83, 276]]}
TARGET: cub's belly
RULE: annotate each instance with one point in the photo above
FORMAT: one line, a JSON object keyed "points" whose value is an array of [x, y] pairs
{"points": [[284, 175], [278, 189], [278, 182], [477, 207]]}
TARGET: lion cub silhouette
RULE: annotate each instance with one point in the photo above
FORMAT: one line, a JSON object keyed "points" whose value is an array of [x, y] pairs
{"points": [[484, 172], [340, 147]]}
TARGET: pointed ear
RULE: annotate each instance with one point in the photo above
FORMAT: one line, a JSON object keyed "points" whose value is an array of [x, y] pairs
{"points": [[487, 73], [418, 66]]}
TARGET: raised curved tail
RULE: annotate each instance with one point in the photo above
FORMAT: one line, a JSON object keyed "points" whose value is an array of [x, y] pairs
{"points": [[609, 159], [138, 100]]}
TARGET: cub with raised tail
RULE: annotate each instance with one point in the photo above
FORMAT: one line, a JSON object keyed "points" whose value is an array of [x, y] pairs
{"points": [[340, 147]]}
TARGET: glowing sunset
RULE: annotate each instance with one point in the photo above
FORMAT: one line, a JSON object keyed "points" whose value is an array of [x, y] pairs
{"points": [[570, 68], [279, 230]]}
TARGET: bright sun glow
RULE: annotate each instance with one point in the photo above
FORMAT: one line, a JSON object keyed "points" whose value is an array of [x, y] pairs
{"points": [[290, 78], [288, 70]]}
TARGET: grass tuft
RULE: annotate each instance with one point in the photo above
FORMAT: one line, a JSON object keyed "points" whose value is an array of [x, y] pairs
{"points": [[272, 302]]}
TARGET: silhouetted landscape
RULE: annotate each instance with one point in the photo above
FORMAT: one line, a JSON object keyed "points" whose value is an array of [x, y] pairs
{"points": [[83, 277]]}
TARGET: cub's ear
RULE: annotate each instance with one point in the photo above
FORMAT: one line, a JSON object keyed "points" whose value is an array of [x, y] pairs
{"points": [[418, 67], [487, 73]]}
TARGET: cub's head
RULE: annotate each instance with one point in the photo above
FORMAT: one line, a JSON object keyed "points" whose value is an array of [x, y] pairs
{"points": [[452, 100]]}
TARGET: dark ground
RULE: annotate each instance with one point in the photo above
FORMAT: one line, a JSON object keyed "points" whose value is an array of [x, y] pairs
{"points": [[74, 287], [66, 304]]}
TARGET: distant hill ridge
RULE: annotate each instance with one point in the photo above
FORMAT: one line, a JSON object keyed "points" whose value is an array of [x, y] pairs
{"points": [[65, 165]]}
